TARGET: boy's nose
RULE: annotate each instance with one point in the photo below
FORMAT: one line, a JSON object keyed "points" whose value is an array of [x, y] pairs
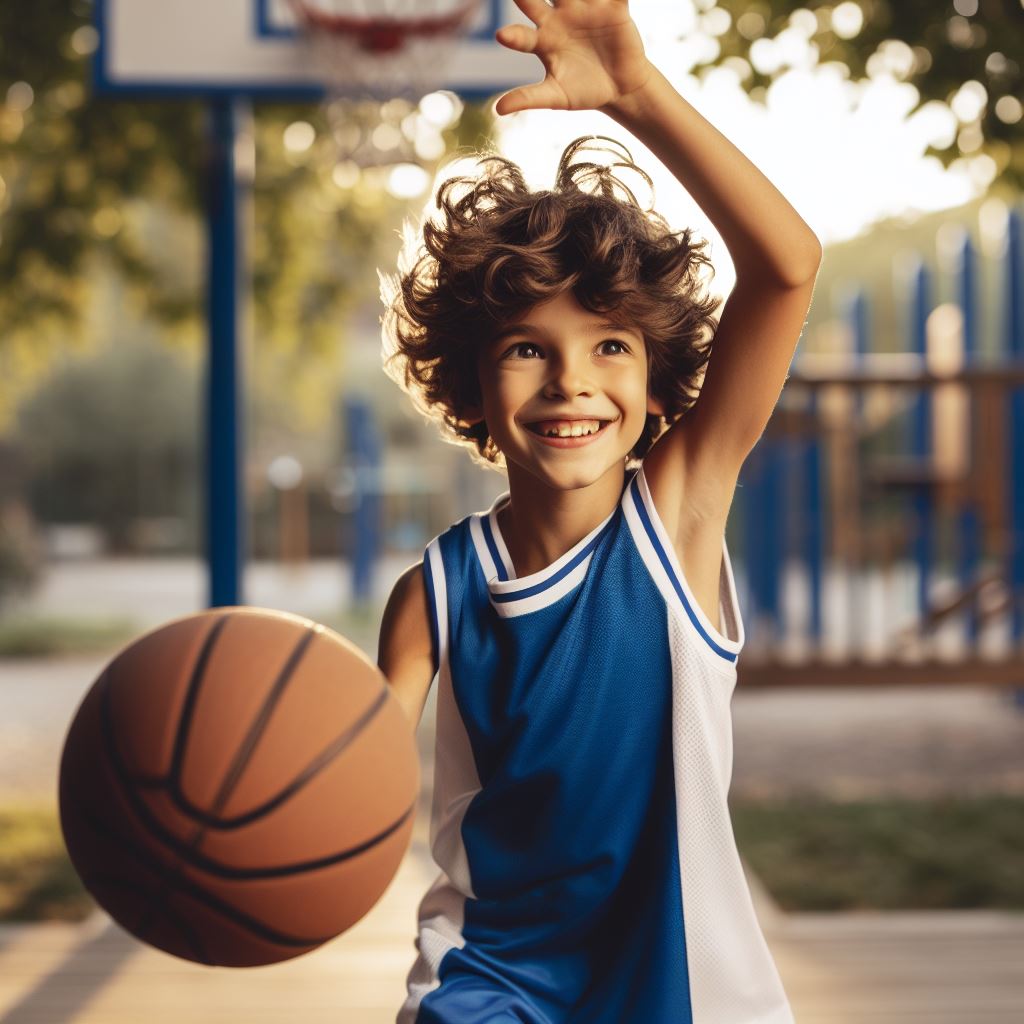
{"points": [[568, 379]]}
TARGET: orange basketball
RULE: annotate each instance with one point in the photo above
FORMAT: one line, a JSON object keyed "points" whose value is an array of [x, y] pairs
{"points": [[238, 786]]}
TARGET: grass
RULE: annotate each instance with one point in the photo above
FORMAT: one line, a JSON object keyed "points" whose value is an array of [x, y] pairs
{"points": [[39, 637], [37, 881], [884, 855], [887, 854]]}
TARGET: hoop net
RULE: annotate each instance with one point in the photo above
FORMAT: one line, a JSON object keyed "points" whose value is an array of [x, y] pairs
{"points": [[377, 59]]}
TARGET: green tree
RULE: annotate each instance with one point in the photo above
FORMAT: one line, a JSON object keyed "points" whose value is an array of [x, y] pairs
{"points": [[81, 176], [78, 172], [112, 438], [935, 46]]}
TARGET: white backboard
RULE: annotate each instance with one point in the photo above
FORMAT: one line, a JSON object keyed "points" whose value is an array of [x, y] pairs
{"points": [[251, 47]]}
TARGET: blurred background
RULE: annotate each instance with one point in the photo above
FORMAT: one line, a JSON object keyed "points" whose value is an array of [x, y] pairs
{"points": [[877, 534]]}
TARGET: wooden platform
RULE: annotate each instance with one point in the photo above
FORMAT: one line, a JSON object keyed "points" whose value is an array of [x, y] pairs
{"points": [[96, 973], [906, 968], [939, 968]]}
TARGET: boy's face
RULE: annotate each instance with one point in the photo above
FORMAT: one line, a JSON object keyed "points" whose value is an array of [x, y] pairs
{"points": [[559, 362]]}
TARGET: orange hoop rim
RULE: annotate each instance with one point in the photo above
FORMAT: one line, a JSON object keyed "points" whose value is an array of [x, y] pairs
{"points": [[383, 34]]}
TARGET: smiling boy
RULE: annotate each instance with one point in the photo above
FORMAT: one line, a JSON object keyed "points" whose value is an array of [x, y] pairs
{"points": [[557, 366], [584, 630]]}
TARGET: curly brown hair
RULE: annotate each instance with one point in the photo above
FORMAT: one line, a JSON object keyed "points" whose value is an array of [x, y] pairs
{"points": [[499, 249]]}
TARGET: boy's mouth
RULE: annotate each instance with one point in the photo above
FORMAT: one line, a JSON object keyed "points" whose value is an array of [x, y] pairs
{"points": [[567, 428]]}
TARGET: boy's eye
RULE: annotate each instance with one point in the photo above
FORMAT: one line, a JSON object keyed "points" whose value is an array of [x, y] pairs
{"points": [[521, 345]]}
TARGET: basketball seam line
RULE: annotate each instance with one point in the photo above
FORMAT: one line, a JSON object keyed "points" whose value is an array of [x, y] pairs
{"points": [[320, 761], [188, 933], [176, 881], [259, 725], [199, 860]]}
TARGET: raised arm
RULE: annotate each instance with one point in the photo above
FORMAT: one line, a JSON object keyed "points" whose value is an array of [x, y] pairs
{"points": [[594, 59], [776, 256]]}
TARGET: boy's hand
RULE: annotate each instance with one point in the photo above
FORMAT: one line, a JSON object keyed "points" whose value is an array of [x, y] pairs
{"points": [[591, 51]]}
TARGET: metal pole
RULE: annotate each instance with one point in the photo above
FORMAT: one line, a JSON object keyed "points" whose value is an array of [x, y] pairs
{"points": [[921, 433], [858, 317], [1014, 344], [224, 496], [814, 519], [969, 531], [364, 455]]}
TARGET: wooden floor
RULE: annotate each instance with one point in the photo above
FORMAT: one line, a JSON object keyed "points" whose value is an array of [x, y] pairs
{"points": [[924, 968], [927, 968], [96, 973]]}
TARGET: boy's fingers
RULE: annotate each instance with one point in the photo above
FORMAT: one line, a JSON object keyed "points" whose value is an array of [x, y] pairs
{"points": [[547, 94], [517, 37], [535, 10]]}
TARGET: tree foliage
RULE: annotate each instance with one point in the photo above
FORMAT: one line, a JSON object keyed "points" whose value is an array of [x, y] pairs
{"points": [[87, 180], [75, 168], [112, 438], [923, 42], [69, 162]]}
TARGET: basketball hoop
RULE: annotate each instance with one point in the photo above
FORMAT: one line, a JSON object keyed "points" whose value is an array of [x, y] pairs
{"points": [[378, 58]]}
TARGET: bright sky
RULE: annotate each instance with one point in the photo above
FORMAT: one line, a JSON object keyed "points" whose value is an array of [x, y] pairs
{"points": [[844, 154]]}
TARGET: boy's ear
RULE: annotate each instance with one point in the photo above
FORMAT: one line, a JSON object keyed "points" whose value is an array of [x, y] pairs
{"points": [[655, 406]]}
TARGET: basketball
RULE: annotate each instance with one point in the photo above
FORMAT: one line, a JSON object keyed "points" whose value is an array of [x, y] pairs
{"points": [[238, 786]]}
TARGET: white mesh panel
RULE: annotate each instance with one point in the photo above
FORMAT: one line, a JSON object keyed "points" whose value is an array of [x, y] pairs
{"points": [[441, 911], [733, 979], [440, 929]]}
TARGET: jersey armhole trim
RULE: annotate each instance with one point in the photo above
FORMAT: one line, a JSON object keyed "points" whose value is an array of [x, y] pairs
{"points": [[658, 553], [437, 602]]}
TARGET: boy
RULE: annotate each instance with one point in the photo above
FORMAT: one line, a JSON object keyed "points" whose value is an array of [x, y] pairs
{"points": [[584, 630]]}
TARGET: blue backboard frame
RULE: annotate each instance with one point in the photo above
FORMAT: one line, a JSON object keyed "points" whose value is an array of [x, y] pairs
{"points": [[275, 68]]}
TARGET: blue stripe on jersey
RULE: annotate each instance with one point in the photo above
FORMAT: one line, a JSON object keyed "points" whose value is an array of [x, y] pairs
{"points": [[539, 588], [492, 546], [641, 510]]}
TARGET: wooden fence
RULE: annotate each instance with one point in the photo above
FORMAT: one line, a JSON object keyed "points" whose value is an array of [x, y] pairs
{"points": [[866, 564]]}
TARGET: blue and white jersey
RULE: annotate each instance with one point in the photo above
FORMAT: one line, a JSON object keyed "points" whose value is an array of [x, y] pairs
{"points": [[588, 869]]}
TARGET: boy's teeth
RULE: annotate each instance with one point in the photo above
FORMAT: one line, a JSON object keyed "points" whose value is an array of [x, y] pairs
{"points": [[565, 428]]}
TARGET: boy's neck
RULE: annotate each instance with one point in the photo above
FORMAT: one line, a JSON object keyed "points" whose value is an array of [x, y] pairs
{"points": [[540, 524]]}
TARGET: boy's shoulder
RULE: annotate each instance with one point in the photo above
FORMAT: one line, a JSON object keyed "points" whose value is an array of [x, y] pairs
{"points": [[405, 652]]}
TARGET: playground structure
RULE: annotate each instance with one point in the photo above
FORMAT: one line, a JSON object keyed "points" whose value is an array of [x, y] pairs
{"points": [[881, 515]]}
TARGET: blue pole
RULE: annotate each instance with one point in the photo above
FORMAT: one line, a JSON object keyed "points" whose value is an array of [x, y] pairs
{"points": [[224, 497], [857, 315], [741, 523], [920, 436], [754, 540], [364, 452], [1014, 333], [813, 517], [969, 524], [762, 536], [774, 468]]}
